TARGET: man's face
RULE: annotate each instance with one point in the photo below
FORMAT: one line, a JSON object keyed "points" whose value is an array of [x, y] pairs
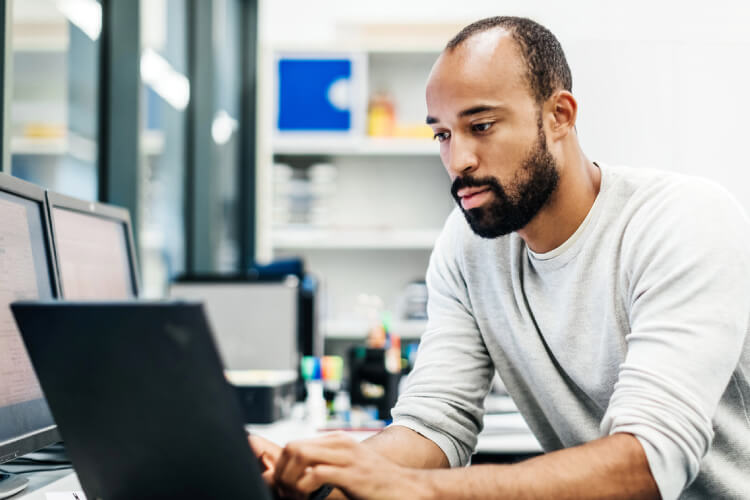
{"points": [[492, 140]]}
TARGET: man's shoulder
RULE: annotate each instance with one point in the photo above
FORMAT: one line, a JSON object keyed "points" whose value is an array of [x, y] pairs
{"points": [[654, 193], [666, 210], [633, 179]]}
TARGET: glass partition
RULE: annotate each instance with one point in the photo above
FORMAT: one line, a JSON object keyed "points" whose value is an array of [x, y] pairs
{"points": [[224, 125], [55, 94], [164, 99]]}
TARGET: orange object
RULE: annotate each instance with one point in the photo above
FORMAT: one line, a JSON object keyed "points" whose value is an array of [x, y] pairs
{"points": [[376, 337], [381, 115]]}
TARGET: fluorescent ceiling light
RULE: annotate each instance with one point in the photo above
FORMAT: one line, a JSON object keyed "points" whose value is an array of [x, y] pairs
{"points": [[84, 14], [170, 84]]}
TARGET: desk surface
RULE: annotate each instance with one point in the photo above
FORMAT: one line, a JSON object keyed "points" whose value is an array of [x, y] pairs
{"points": [[503, 433]]}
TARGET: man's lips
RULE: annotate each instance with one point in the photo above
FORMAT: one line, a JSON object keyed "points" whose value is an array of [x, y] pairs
{"points": [[471, 198], [465, 193]]}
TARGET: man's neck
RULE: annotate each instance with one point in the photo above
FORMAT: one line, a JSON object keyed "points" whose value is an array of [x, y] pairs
{"points": [[568, 206]]}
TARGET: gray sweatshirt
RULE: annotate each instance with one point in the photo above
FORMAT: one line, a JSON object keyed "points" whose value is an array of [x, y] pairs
{"points": [[637, 323]]}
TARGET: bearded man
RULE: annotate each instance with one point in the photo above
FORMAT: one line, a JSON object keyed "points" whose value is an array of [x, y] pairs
{"points": [[613, 302]]}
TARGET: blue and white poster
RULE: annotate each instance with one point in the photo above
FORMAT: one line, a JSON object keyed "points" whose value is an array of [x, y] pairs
{"points": [[315, 95]]}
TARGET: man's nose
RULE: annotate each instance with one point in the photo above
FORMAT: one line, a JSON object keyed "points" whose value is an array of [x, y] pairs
{"points": [[462, 158]]}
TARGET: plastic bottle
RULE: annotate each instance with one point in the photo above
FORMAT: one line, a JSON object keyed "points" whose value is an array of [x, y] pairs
{"points": [[315, 404]]}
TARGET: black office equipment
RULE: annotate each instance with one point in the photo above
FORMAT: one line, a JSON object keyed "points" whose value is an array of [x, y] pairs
{"points": [[371, 383], [27, 271], [94, 248], [140, 397]]}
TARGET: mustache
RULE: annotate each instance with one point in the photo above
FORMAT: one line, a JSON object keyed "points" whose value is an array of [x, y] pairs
{"points": [[468, 181]]}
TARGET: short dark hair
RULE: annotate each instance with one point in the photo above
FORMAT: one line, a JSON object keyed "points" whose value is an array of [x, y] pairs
{"points": [[547, 68]]}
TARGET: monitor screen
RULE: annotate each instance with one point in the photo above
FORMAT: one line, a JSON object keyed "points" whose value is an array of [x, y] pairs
{"points": [[26, 273], [93, 256]]}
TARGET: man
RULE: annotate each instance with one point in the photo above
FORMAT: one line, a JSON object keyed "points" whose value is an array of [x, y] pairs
{"points": [[613, 302]]}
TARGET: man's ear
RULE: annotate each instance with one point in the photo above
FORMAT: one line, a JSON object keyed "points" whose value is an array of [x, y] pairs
{"points": [[563, 109]]}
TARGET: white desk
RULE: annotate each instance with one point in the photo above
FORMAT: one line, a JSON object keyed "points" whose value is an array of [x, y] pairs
{"points": [[503, 434], [51, 487]]}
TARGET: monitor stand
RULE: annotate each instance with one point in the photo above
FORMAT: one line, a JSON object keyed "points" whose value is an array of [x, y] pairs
{"points": [[10, 484]]}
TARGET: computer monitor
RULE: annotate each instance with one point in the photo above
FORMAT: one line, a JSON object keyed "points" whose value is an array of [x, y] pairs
{"points": [[255, 321], [94, 249], [27, 271]]}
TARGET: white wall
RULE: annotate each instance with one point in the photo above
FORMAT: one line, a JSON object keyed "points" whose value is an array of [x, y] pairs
{"points": [[659, 83]]}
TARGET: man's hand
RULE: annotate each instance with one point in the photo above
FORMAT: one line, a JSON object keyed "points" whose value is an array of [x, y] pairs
{"points": [[338, 460]]}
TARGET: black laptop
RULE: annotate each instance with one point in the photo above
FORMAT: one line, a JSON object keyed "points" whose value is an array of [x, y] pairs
{"points": [[139, 395]]}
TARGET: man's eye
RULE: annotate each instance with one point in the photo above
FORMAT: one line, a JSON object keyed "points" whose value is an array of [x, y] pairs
{"points": [[440, 136], [481, 127]]}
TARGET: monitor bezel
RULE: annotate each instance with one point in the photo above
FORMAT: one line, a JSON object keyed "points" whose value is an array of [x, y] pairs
{"points": [[97, 209], [46, 436]]}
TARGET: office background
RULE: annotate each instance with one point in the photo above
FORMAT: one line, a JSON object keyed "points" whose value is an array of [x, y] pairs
{"points": [[170, 109]]}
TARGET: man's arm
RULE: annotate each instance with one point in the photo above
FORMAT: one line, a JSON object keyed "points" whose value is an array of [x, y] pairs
{"points": [[405, 447], [613, 467]]}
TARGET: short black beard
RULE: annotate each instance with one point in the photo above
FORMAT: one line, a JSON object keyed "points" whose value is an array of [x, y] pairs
{"points": [[532, 188]]}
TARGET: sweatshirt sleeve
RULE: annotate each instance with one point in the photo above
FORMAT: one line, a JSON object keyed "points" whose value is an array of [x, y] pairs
{"points": [[687, 257], [444, 395]]}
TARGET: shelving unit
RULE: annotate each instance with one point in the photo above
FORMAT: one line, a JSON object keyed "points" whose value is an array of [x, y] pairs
{"points": [[353, 329], [367, 146], [391, 196], [353, 239], [78, 147], [54, 98], [38, 146]]}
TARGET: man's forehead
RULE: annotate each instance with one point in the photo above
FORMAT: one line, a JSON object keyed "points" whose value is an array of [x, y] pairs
{"points": [[488, 65]]}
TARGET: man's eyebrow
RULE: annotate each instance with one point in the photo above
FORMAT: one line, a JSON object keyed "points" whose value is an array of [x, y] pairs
{"points": [[479, 109], [469, 112]]}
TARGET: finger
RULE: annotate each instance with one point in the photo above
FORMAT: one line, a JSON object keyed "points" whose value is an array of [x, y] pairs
{"points": [[297, 456], [268, 478], [335, 448], [266, 462], [318, 475], [288, 471], [309, 481], [261, 445]]}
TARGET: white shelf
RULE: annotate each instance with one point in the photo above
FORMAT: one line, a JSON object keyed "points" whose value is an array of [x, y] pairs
{"points": [[351, 239], [83, 148], [392, 46], [353, 329], [321, 145], [38, 146], [40, 46]]}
